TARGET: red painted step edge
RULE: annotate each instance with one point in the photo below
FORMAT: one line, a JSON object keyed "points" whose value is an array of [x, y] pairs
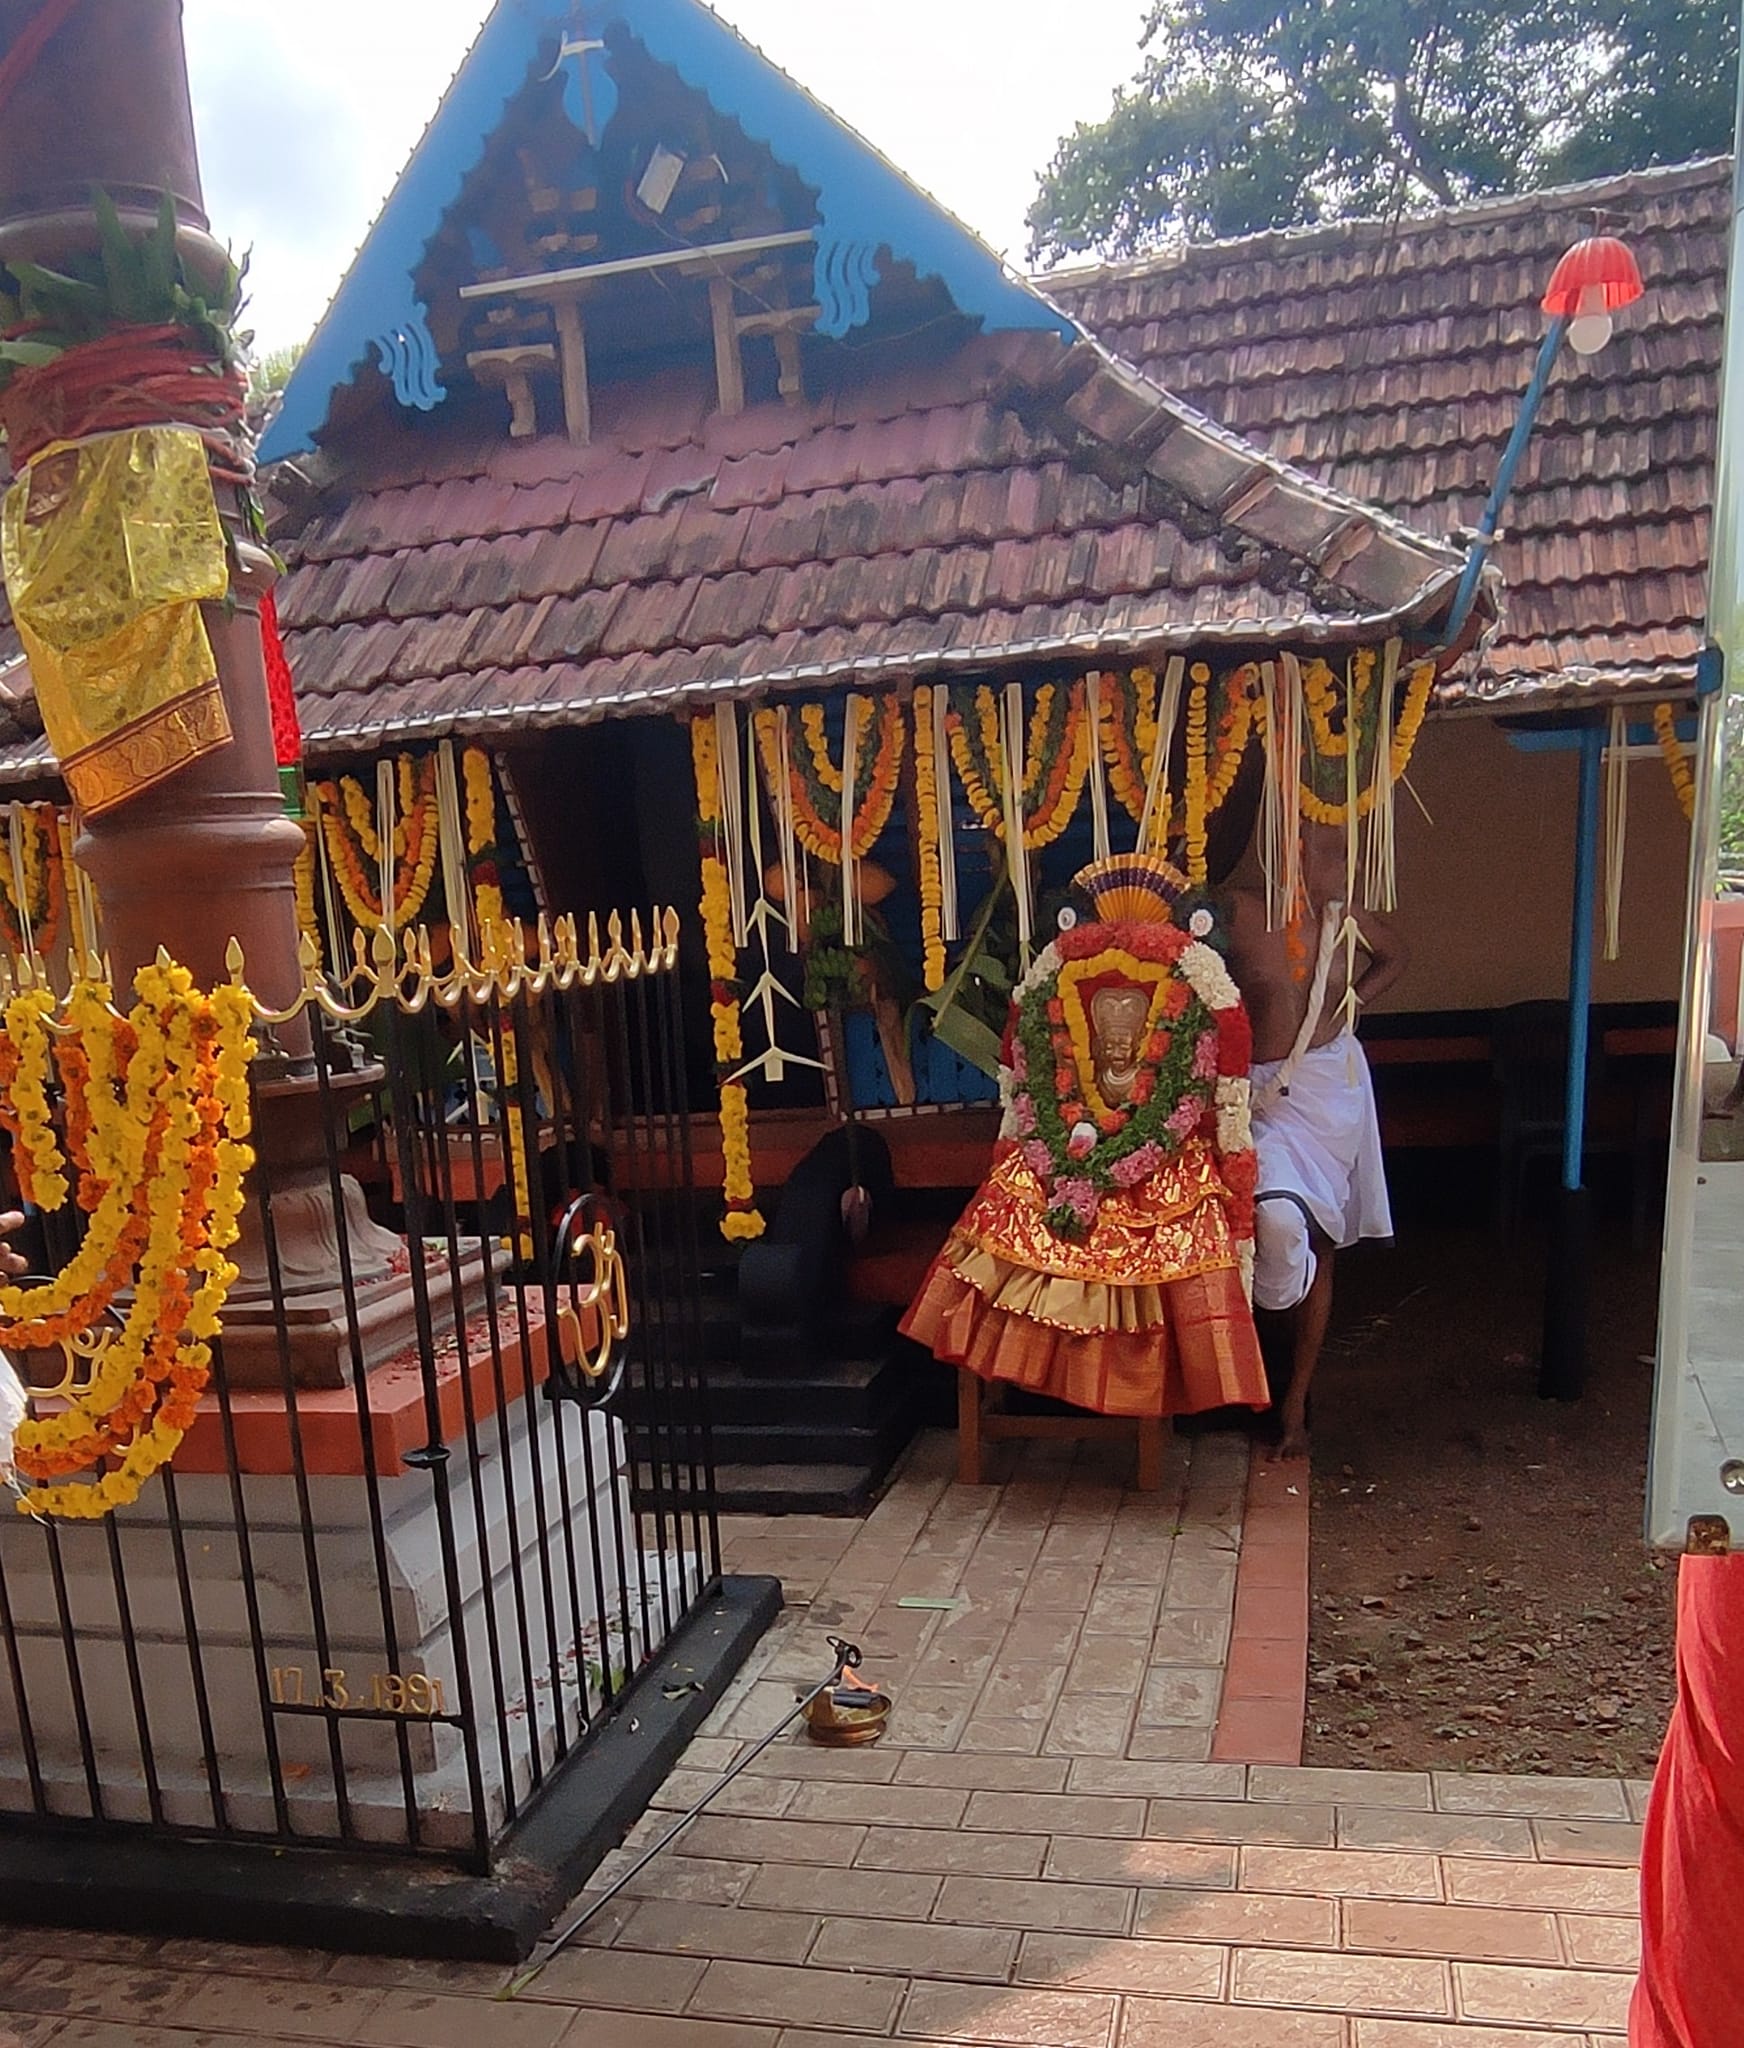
{"points": [[1265, 1682]]}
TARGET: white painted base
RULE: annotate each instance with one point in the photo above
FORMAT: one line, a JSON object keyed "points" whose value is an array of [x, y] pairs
{"points": [[538, 1608]]}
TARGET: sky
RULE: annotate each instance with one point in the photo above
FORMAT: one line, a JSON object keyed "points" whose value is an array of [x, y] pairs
{"points": [[307, 111]]}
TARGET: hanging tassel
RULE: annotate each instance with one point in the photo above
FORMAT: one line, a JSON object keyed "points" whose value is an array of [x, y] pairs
{"points": [[1293, 707], [1350, 932], [941, 744], [451, 838], [1098, 787], [784, 827], [1380, 869], [1153, 824], [15, 853], [1011, 790], [1616, 827], [732, 782], [384, 826], [850, 866]]}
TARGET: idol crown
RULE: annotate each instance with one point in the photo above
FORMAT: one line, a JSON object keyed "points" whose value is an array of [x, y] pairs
{"points": [[1132, 888]]}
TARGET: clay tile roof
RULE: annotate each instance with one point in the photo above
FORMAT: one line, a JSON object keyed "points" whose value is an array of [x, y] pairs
{"points": [[1014, 502], [1390, 363]]}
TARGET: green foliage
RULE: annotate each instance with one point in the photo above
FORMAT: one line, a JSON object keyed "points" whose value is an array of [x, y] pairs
{"points": [[124, 283], [270, 373], [1253, 114]]}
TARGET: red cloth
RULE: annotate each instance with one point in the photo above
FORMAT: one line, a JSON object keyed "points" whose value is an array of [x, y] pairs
{"points": [[1691, 1993], [281, 696]]}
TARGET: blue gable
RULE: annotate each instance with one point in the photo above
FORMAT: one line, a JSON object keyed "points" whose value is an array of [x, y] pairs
{"points": [[864, 202]]}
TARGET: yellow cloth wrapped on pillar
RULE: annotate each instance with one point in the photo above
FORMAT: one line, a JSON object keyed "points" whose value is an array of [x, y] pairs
{"points": [[109, 548]]}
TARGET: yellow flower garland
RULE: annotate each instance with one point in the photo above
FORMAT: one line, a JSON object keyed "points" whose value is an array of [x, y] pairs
{"points": [[1683, 781], [882, 739], [1126, 768], [167, 1144], [742, 1221], [1198, 776], [1053, 782], [354, 845], [1411, 717], [303, 877], [926, 799], [495, 932]]}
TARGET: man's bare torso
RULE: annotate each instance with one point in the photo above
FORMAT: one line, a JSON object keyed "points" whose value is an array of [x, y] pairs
{"points": [[1275, 972]]}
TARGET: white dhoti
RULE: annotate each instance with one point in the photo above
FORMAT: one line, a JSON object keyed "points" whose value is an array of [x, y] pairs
{"points": [[1319, 1153]]}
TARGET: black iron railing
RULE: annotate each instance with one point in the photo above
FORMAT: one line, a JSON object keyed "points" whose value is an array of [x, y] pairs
{"points": [[412, 1553]]}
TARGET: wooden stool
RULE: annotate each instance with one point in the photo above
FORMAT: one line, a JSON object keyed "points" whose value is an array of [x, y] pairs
{"points": [[982, 1419]]}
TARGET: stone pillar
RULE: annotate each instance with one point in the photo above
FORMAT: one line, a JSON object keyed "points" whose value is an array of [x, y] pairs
{"points": [[208, 855]]}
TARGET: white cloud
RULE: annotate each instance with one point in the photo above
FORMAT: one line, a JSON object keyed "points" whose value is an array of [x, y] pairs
{"points": [[306, 113]]}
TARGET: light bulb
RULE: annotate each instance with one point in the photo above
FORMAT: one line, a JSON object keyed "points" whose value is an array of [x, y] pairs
{"points": [[1588, 333], [1590, 328]]}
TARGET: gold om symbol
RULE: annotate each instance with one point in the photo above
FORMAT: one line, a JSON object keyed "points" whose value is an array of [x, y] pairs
{"points": [[595, 1319], [77, 1358]]}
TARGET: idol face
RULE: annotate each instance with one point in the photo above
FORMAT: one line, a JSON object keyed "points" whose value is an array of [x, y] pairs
{"points": [[1117, 1018]]}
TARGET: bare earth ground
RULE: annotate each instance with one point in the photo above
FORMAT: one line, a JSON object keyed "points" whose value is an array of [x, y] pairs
{"points": [[1481, 1598]]}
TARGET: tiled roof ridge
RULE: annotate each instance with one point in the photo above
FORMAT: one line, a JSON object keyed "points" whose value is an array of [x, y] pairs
{"points": [[1496, 207]]}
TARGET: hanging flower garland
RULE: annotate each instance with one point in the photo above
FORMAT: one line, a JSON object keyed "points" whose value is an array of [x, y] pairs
{"points": [[815, 778], [1320, 692], [1198, 771], [1129, 739], [742, 1220], [157, 1118], [1055, 765], [1683, 781], [1229, 742], [1411, 716], [348, 822], [42, 859], [303, 878], [932, 891], [1083, 1148]]}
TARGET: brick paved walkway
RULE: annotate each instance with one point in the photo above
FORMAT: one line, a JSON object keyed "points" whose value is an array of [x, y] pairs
{"points": [[1044, 1854]]}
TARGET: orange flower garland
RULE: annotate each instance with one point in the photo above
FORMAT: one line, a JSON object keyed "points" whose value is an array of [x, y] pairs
{"points": [[815, 780], [742, 1220], [1129, 740], [1056, 761], [1411, 717], [348, 824], [157, 1119], [43, 852], [926, 798], [1683, 781]]}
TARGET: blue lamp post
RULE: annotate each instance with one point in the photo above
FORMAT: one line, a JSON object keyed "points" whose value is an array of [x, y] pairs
{"points": [[1592, 281]]}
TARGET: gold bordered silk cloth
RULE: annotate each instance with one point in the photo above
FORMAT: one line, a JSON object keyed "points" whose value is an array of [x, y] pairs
{"points": [[110, 546], [1146, 1316]]}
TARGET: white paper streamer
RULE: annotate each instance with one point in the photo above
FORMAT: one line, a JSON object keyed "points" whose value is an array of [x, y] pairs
{"points": [[1016, 853], [850, 867], [1380, 864], [1157, 781], [784, 827], [384, 825], [946, 824], [1098, 787], [451, 837], [13, 1409], [732, 787], [1616, 827]]}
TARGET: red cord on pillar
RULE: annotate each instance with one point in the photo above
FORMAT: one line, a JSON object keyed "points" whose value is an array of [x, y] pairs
{"points": [[282, 697]]}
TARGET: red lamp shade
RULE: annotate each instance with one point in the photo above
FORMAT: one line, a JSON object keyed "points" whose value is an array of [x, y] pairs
{"points": [[1595, 276]]}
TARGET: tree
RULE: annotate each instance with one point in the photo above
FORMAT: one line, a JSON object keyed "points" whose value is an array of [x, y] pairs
{"points": [[1252, 114]]}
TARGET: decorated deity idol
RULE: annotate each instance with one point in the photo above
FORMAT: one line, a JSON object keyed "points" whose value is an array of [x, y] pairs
{"points": [[1107, 1259]]}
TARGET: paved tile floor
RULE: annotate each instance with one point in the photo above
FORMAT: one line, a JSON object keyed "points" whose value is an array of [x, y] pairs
{"points": [[1039, 1856]]}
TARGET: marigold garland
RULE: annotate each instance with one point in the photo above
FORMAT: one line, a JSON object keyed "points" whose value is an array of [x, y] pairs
{"points": [[303, 877], [815, 780], [1683, 781], [43, 846], [348, 823], [742, 1220], [1411, 716], [157, 1113], [1198, 793], [1129, 740], [932, 892], [1055, 766]]}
